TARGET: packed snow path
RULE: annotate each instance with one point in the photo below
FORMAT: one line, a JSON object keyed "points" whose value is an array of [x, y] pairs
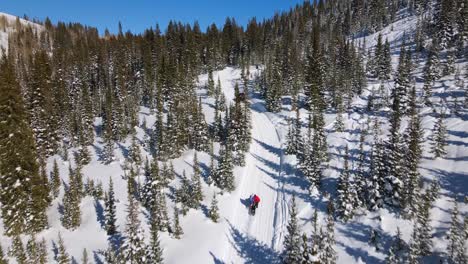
{"points": [[262, 175]]}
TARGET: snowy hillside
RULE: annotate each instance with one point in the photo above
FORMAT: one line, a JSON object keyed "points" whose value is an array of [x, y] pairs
{"points": [[239, 237], [8, 25]]}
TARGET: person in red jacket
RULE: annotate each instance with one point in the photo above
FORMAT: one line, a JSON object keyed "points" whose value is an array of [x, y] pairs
{"points": [[254, 201]]}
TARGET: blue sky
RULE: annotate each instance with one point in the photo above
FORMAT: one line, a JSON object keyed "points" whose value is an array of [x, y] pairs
{"points": [[137, 15]]}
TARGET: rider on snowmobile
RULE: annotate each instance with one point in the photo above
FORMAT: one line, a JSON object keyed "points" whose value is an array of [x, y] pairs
{"points": [[254, 201]]}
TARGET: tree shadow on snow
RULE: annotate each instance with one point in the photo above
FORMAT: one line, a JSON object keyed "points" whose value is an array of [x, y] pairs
{"points": [[100, 213], [245, 202], [454, 182], [216, 260], [250, 249], [274, 150]]}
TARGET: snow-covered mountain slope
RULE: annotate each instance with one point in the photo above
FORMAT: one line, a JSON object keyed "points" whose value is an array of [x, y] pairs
{"points": [[8, 26], [242, 238]]}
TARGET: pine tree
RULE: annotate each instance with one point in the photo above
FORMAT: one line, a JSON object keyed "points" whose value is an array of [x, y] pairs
{"points": [[414, 253], [431, 72], [110, 215], [224, 175], [439, 138], [71, 217], [295, 143], [292, 242], [328, 253], [184, 194], [306, 255], [133, 248], [55, 180], [274, 91], [135, 153], [36, 251], [393, 187], [196, 182], [62, 256], [423, 228], [347, 195], [154, 254], [213, 212], [177, 229], [339, 123], [23, 195], [209, 177], [211, 85], [360, 179], [3, 260], [17, 250], [377, 174], [42, 121], [456, 247]]}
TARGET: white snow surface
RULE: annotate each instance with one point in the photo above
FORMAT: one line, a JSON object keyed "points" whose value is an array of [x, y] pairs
{"points": [[242, 238]]}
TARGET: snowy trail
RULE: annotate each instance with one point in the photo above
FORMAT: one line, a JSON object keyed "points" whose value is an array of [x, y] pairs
{"points": [[263, 176]]}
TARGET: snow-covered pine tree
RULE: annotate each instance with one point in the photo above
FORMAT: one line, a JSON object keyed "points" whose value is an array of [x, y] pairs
{"points": [[214, 211], [360, 178], [184, 194], [42, 121], [196, 182], [154, 250], [445, 22], [209, 177], [274, 91], [413, 140], [347, 199], [439, 137], [35, 252], [320, 138], [339, 123], [431, 72], [110, 255], [327, 252], [306, 254], [456, 247], [224, 175], [3, 259], [17, 250], [402, 80], [71, 217], [177, 229], [210, 84], [292, 241], [135, 152], [377, 172], [55, 180], [62, 255], [423, 239], [295, 142], [413, 251], [24, 182], [314, 75], [110, 210], [393, 187], [133, 248], [200, 129]]}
